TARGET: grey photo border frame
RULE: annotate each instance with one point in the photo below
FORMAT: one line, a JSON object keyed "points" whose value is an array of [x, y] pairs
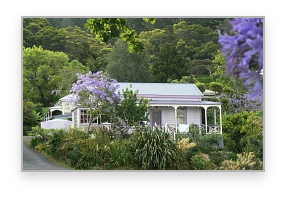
{"points": [[143, 179]]}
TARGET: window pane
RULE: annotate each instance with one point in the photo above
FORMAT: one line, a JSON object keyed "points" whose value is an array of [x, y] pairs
{"points": [[156, 118], [181, 116]]}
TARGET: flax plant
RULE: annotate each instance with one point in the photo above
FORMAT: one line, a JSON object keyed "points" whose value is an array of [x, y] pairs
{"points": [[155, 150]]}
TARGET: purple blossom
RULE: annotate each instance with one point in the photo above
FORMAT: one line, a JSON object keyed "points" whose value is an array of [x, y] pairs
{"points": [[242, 49], [94, 89], [246, 103]]}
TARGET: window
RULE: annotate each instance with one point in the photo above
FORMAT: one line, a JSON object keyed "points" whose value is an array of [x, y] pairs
{"points": [[181, 115], [84, 117]]}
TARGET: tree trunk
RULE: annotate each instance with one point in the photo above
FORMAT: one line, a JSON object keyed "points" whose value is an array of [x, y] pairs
{"points": [[45, 103], [89, 124]]}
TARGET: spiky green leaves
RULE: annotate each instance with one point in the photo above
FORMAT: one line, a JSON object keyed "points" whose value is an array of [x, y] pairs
{"points": [[155, 150]]}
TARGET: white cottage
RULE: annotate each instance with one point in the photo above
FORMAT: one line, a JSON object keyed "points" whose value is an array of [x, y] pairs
{"points": [[171, 104]]}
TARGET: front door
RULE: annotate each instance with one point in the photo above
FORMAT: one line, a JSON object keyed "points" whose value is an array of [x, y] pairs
{"points": [[156, 118]]}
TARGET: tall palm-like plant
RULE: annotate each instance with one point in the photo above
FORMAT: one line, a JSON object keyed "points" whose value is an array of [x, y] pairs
{"points": [[155, 150]]}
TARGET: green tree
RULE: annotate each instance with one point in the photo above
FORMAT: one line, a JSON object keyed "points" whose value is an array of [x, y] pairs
{"points": [[68, 76], [237, 126], [185, 79], [67, 22], [216, 87], [31, 26], [228, 91], [200, 46], [49, 38], [200, 68], [75, 42], [201, 86], [107, 28], [226, 106], [168, 64], [128, 67], [132, 110], [81, 46], [43, 74], [219, 75], [195, 35], [30, 115]]}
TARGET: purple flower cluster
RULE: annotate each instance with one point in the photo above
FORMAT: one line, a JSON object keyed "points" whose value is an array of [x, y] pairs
{"points": [[94, 89], [246, 103], [243, 50]]}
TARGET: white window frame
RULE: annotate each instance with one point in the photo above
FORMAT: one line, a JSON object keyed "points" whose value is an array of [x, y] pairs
{"points": [[84, 117]]}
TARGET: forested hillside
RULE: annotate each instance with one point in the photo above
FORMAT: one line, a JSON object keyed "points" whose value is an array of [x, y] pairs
{"points": [[174, 49]]}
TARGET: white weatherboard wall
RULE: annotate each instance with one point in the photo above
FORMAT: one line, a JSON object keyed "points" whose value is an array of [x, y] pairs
{"points": [[168, 116], [56, 124], [194, 115]]}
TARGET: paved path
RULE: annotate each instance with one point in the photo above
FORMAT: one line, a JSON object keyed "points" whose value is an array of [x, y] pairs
{"points": [[32, 160]]}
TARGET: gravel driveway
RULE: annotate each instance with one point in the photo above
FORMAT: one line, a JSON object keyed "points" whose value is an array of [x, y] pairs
{"points": [[32, 160]]}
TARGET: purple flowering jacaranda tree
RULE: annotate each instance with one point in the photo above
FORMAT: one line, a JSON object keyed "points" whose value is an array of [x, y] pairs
{"points": [[97, 92], [243, 52]]}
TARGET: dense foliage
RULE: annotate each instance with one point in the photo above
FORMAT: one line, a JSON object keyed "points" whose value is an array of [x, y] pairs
{"points": [[57, 52], [145, 150], [126, 66]]}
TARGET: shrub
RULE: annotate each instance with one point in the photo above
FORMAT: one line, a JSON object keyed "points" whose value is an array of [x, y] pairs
{"points": [[228, 155], [237, 127], [185, 143], [245, 161], [26, 130], [209, 140], [214, 99], [119, 155], [41, 147], [55, 141], [81, 151], [81, 154], [154, 150], [35, 141], [217, 158], [30, 114], [38, 131], [232, 127], [253, 143], [201, 162], [180, 136]]}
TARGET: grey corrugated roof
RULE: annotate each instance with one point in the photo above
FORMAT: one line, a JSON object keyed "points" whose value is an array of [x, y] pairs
{"points": [[153, 90], [182, 102], [170, 89]]}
